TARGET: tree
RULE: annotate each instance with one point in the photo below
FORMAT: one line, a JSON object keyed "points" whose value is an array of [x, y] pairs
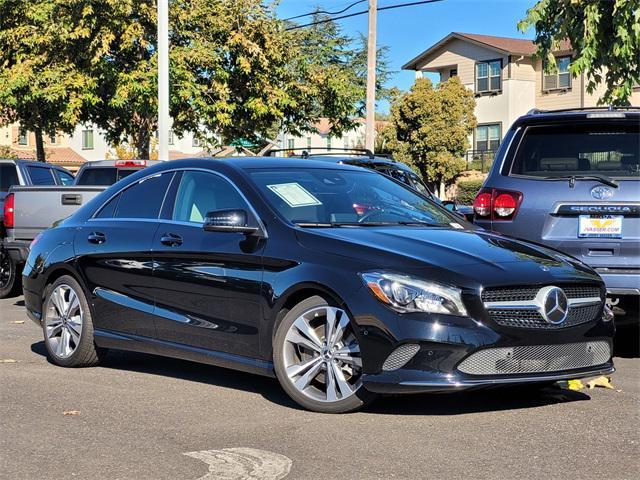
{"points": [[430, 128], [604, 34], [43, 86]]}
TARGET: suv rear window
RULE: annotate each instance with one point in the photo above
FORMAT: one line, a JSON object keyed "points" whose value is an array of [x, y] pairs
{"points": [[8, 176], [103, 175], [588, 148]]}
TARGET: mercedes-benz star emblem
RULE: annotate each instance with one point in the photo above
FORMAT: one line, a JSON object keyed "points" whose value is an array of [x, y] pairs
{"points": [[601, 193], [555, 305]]}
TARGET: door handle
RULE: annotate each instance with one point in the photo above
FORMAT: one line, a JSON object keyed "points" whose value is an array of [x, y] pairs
{"points": [[97, 238], [171, 240]]}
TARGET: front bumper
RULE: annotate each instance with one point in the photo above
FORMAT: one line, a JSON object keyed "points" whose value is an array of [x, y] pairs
{"points": [[445, 342]]}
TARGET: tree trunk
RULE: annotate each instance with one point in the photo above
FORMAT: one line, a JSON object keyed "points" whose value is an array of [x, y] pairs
{"points": [[142, 144], [39, 145]]}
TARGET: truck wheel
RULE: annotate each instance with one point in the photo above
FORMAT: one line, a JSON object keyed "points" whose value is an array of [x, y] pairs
{"points": [[9, 281]]}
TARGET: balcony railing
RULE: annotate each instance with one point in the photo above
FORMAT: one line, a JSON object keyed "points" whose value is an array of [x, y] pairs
{"points": [[480, 160]]}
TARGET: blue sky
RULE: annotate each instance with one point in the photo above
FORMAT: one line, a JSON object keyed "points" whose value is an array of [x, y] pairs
{"points": [[410, 30]]}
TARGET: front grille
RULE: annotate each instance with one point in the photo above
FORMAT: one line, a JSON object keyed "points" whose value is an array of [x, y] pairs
{"points": [[532, 319], [536, 359], [520, 294]]}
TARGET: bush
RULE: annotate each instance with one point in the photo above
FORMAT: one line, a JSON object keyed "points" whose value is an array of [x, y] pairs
{"points": [[467, 191]]}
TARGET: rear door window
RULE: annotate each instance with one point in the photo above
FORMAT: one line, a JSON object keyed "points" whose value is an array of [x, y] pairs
{"points": [[587, 148], [41, 175], [144, 199], [65, 177], [8, 176]]}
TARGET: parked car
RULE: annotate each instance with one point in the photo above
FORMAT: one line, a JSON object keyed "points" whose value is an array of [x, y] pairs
{"points": [[341, 282], [571, 180], [34, 208], [366, 159], [20, 172]]}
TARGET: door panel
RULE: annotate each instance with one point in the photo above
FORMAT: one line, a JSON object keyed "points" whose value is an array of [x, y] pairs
{"points": [[207, 283]]}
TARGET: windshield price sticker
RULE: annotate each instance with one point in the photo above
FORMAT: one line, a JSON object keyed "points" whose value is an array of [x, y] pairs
{"points": [[294, 194]]}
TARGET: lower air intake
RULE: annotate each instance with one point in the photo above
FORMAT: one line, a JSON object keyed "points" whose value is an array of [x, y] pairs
{"points": [[400, 356], [536, 359]]}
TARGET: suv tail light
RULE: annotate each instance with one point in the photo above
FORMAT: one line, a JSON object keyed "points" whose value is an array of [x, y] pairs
{"points": [[9, 212], [497, 205]]}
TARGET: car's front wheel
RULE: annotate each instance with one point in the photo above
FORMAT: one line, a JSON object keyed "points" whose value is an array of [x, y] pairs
{"points": [[317, 358], [68, 325]]}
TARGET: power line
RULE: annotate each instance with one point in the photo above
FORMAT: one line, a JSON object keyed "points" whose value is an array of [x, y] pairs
{"points": [[324, 12], [363, 12]]}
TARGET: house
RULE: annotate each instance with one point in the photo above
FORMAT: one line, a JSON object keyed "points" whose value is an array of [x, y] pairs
{"points": [[321, 140], [507, 78]]}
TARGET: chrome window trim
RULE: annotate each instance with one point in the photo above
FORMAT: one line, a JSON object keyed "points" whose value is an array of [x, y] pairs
{"points": [[158, 219]]}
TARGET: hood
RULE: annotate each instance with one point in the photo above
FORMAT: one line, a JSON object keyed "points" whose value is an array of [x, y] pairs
{"points": [[477, 254]]}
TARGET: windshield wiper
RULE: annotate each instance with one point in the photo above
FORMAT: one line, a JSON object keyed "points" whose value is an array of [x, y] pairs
{"points": [[572, 179]]}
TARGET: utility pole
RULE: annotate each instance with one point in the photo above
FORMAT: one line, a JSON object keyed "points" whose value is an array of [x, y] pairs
{"points": [[163, 80], [371, 76]]}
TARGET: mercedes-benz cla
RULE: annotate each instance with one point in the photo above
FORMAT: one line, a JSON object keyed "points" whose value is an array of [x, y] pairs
{"points": [[339, 281]]}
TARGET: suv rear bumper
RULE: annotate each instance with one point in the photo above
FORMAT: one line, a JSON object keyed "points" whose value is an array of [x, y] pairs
{"points": [[18, 250]]}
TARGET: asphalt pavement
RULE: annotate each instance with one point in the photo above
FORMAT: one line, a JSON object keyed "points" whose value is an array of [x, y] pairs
{"points": [[147, 417]]}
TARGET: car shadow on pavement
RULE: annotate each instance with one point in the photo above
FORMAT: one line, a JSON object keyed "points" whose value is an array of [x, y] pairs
{"points": [[512, 398], [626, 343]]}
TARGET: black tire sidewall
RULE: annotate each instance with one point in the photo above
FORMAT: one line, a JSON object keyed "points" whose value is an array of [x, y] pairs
{"points": [[86, 353], [11, 286], [353, 403]]}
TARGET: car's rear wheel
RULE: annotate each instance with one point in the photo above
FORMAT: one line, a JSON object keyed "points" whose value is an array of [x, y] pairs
{"points": [[68, 325], [9, 281], [317, 358]]}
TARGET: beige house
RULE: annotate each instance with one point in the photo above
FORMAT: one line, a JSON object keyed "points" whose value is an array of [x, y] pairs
{"points": [[507, 78]]}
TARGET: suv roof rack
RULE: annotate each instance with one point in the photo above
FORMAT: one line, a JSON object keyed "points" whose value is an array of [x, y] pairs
{"points": [[305, 151], [610, 108]]}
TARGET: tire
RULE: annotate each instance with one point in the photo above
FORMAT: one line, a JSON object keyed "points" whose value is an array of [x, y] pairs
{"points": [[303, 364], [9, 275], [67, 325]]}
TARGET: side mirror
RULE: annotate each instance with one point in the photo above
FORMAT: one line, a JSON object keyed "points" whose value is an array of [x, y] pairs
{"points": [[231, 220], [449, 205]]}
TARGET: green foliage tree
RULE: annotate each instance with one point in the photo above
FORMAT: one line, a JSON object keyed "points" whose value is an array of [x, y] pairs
{"points": [[604, 34], [430, 128], [43, 83]]}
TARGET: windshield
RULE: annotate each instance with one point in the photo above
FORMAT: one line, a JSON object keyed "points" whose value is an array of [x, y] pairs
{"points": [[609, 149], [327, 197]]}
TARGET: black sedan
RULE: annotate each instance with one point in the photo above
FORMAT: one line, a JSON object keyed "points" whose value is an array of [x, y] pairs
{"points": [[340, 282]]}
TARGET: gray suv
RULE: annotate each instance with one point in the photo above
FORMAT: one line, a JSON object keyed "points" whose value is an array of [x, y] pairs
{"points": [[571, 180]]}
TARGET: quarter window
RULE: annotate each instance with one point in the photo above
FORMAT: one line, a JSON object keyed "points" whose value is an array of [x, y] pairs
{"points": [[144, 199], [560, 79], [65, 178], [202, 192], [489, 76], [8, 177], [488, 137]]}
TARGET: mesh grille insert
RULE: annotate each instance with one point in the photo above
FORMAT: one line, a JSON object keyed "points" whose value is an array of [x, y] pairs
{"points": [[536, 359], [400, 356], [532, 319]]}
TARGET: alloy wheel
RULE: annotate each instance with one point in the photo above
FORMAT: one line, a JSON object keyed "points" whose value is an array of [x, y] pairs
{"points": [[322, 355], [5, 269], [63, 321]]}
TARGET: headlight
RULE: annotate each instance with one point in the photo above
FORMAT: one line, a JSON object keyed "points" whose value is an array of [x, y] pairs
{"points": [[409, 294]]}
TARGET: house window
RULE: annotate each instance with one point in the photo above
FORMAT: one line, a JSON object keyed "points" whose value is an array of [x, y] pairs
{"points": [[487, 137], [328, 143], [23, 137], [453, 72], [53, 139], [346, 143], [560, 79], [171, 139], [308, 142], [489, 76], [87, 139], [196, 141], [291, 143]]}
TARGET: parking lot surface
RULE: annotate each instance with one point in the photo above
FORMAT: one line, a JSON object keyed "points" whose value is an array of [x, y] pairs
{"points": [[146, 417]]}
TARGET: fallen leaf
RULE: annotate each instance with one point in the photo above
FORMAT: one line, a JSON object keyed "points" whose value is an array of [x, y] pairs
{"points": [[69, 413], [603, 381], [575, 385], [18, 322], [8, 360]]}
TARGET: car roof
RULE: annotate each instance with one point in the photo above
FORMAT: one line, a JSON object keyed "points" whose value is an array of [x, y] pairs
{"points": [[20, 161], [569, 114]]}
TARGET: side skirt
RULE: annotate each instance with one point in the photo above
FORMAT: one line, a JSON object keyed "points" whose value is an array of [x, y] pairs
{"points": [[136, 343]]}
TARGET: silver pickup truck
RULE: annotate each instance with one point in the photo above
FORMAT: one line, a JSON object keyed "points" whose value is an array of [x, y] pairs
{"points": [[28, 210]]}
